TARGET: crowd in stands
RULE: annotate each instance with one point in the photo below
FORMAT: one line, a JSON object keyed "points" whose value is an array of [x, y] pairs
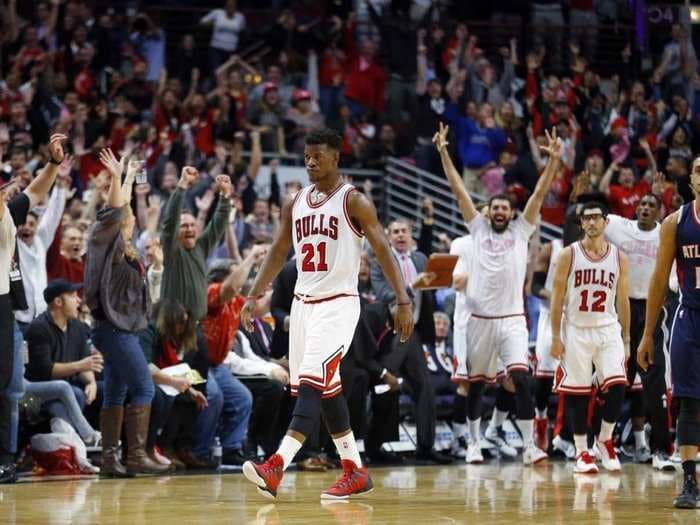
{"points": [[195, 125]]}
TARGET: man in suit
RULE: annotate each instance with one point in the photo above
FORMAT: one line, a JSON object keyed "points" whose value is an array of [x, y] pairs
{"points": [[406, 359]]}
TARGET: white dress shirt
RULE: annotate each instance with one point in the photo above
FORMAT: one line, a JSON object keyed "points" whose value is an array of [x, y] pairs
{"points": [[32, 257]]}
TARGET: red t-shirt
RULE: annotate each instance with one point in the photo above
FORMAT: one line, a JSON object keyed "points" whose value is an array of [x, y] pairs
{"points": [[623, 201], [221, 323]]}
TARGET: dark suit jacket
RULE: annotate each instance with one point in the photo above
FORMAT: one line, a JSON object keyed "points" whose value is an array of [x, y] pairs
{"points": [[257, 343], [425, 326], [281, 306]]}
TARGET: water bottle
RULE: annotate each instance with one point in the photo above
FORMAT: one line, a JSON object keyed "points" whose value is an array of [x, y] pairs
{"points": [[216, 453]]}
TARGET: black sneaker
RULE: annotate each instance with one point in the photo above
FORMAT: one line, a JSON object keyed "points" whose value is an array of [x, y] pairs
{"points": [[689, 497], [433, 456], [234, 457], [8, 473]]}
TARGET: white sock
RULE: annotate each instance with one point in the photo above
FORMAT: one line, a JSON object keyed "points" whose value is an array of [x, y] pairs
{"points": [[541, 414], [459, 430], [525, 426], [640, 439], [498, 418], [288, 449], [581, 443], [475, 429], [606, 431], [347, 448]]}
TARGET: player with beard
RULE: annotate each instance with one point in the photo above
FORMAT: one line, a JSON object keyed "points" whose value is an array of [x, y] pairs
{"points": [[680, 242], [590, 322], [640, 241], [497, 327]]}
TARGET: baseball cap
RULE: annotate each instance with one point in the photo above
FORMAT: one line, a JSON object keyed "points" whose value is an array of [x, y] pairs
{"points": [[58, 287], [269, 86], [301, 94]]}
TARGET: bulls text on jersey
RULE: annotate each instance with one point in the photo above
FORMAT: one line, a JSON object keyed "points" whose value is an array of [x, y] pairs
{"points": [[588, 276], [316, 224]]}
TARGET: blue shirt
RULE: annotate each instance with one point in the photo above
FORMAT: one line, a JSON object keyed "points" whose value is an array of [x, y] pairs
{"points": [[476, 146], [688, 256], [152, 49]]}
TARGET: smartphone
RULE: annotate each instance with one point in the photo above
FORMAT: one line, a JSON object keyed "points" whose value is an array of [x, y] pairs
{"points": [[141, 175]]}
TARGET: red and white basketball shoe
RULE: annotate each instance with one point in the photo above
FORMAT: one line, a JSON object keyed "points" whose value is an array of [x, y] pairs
{"points": [[267, 476], [608, 456], [585, 464], [354, 482]]}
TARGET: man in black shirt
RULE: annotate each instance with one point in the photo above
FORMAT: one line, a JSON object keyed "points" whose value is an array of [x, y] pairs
{"points": [[429, 113], [59, 346]]}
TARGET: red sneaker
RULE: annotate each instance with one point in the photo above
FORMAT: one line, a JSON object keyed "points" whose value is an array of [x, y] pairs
{"points": [[355, 481], [541, 433], [267, 476]]}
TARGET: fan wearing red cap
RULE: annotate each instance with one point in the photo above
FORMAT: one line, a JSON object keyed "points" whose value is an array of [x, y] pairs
{"points": [[305, 117]]}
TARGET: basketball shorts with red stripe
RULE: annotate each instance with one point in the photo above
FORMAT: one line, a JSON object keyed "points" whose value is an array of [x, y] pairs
{"points": [[320, 333], [586, 348], [496, 343]]}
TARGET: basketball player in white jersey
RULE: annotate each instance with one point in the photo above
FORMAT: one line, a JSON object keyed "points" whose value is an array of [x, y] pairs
{"points": [[497, 327], [590, 293], [463, 248], [325, 223], [545, 364], [640, 239]]}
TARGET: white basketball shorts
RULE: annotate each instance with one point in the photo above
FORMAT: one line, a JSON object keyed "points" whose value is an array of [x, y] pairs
{"points": [[320, 333], [494, 343]]}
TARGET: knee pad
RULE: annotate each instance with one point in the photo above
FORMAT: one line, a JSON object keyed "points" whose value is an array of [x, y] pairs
{"points": [[688, 426], [614, 398], [336, 414], [306, 410], [520, 380]]}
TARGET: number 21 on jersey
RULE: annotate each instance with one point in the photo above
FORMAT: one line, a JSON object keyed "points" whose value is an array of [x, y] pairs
{"points": [[314, 257]]}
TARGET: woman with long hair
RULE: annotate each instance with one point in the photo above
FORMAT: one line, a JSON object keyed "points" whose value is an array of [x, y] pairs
{"points": [[117, 293], [169, 340]]}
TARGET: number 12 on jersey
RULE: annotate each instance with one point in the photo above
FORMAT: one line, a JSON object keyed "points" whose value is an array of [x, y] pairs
{"points": [[314, 257], [599, 298]]}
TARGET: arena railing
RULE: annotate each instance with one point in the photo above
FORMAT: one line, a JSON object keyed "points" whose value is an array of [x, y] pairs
{"points": [[406, 186]]}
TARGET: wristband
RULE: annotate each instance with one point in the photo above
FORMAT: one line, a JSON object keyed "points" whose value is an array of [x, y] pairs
{"points": [[51, 161], [404, 304]]}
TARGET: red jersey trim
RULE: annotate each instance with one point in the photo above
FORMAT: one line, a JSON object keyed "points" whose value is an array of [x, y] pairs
{"points": [[325, 200], [592, 259], [347, 214], [316, 301]]}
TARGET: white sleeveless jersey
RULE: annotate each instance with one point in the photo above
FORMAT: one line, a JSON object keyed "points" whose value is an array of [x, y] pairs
{"points": [[557, 246], [592, 288], [327, 244]]}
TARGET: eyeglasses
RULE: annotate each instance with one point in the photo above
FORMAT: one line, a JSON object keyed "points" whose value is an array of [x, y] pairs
{"points": [[592, 217]]}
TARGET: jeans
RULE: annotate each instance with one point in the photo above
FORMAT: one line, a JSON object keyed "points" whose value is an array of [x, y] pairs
{"points": [[330, 98], [15, 389], [125, 367], [548, 22], [227, 415], [63, 400]]}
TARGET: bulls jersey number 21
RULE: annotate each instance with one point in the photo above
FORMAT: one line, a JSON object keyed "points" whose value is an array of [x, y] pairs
{"points": [[327, 244]]}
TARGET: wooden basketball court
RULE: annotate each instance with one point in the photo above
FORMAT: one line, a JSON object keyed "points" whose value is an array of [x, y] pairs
{"points": [[491, 494]]}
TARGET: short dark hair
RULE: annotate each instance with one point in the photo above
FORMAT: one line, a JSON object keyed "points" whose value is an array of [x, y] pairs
{"points": [[658, 200], [330, 137], [501, 197], [592, 205]]}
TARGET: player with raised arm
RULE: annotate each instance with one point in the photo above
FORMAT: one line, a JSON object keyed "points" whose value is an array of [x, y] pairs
{"points": [[325, 223], [590, 323], [497, 326], [680, 242]]}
